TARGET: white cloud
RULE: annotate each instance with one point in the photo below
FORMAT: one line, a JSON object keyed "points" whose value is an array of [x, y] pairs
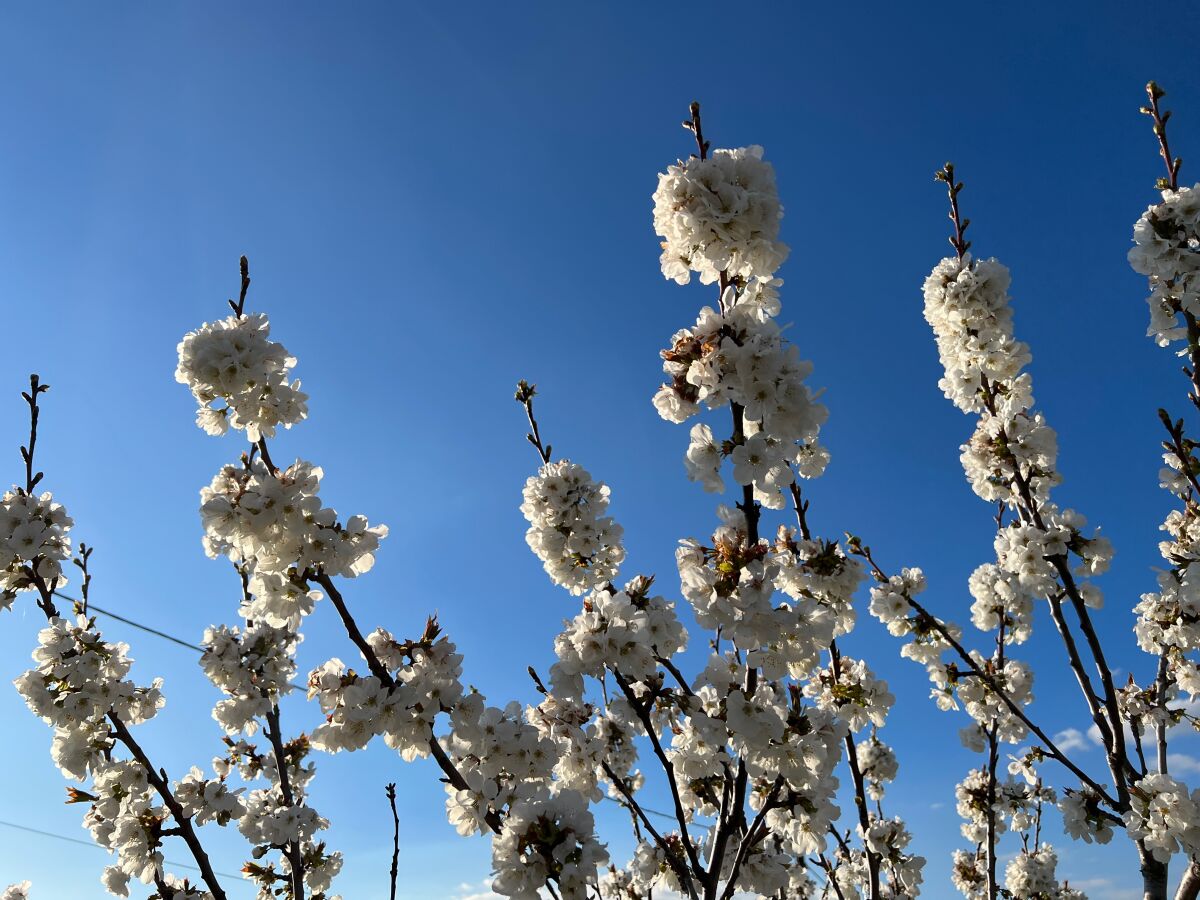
{"points": [[1072, 739], [1104, 889], [1182, 764]]}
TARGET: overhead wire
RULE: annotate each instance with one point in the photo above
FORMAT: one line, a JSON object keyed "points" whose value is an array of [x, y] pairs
{"points": [[92, 607]]}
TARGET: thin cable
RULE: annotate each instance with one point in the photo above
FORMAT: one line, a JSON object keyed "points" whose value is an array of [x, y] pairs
{"points": [[182, 643], [112, 615], [63, 837]]}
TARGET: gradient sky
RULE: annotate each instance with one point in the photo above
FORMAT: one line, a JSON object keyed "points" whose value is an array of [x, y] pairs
{"points": [[438, 201]]}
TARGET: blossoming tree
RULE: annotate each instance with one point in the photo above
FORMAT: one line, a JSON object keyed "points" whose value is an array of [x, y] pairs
{"points": [[750, 747]]}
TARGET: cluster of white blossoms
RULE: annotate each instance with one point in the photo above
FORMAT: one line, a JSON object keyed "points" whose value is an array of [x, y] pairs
{"points": [[878, 764], [276, 523], [1165, 816], [569, 531], [889, 838], [1083, 818], [1031, 875], [850, 689], [763, 705], [740, 357], [208, 799], [547, 839], [266, 818], [1167, 251], [78, 681], [422, 680], [33, 538], [1016, 805], [1042, 551], [18, 891], [719, 215], [233, 361], [625, 631], [125, 816], [966, 304], [253, 667]]}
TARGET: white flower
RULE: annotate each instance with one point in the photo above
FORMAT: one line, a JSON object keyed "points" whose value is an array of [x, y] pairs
{"points": [[719, 214], [579, 546], [1167, 250], [1165, 815], [234, 361]]}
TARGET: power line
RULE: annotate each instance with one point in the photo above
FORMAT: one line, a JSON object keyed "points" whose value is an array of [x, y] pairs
{"points": [[92, 607], [63, 837]]}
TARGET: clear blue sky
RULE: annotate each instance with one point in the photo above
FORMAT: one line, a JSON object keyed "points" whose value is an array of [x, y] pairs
{"points": [[436, 203]]}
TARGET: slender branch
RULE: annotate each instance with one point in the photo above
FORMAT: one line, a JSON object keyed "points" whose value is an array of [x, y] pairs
{"points": [[244, 265], [643, 714], [860, 793], [453, 776], [1189, 886], [1155, 93], [928, 619], [681, 869], [830, 878], [958, 240], [693, 125], [524, 395], [291, 848], [391, 795], [757, 827]]}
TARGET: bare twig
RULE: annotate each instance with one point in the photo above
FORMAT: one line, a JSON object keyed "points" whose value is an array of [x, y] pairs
{"points": [[391, 795]]}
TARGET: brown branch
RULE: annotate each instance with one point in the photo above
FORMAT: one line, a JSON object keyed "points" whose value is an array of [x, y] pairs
{"points": [[391, 795], [927, 618], [756, 827], [958, 240], [453, 776], [244, 265], [641, 709], [158, 780], [1189, 886], [1155, 93], [524, 395], [292, 848], [860, 793], [679, 866]]}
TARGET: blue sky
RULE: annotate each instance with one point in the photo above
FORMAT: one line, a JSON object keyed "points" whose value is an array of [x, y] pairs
{"points": [[438, 201]]}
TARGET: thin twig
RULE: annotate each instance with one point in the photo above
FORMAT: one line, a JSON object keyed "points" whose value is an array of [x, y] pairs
{"points": [[391, 795]]}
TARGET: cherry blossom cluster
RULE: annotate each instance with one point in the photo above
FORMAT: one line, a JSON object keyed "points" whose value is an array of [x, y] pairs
{"points": [[547, 839], [1167, 251], [719, 216], [1083, 817], [616, 630], [569, 531], [126, 817], [1031, 876], [1165, 815], [34, 539], [234, 362], [275, 522], [422, 679], [274, 816], [253, 668], [78, 681], [740, 357], [781, 702], [18, 891]]}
